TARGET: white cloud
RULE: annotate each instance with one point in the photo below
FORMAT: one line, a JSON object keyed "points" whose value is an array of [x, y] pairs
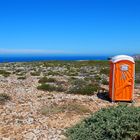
{"points": [[30, 51]]}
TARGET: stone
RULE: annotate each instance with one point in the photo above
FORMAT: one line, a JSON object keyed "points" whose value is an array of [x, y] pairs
{"points": [[62, 137], [30, 120], [30, 136], [6, 139]]}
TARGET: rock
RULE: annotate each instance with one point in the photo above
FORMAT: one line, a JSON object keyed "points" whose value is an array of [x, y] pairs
{"points": [[6, 139], [62, 137], [30, 136], [30, 120], [58, 132]]}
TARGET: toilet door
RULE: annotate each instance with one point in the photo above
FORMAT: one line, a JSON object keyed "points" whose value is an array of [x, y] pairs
{"points": [[124, 81]]}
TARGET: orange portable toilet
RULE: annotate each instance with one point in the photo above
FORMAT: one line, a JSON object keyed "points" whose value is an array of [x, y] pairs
{"points": [[122, 73]]}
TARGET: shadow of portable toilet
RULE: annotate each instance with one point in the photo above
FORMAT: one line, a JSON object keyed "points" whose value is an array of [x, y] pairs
{"points": [[122, 73]]}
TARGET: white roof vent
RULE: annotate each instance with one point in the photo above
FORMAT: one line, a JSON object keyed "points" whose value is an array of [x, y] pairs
{"points": [[118, 58]]}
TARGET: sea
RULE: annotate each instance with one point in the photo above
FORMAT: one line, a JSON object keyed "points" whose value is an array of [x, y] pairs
{"points": [[32, 58]]}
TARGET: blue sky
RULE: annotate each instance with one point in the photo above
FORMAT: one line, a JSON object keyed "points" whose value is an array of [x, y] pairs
{"points": [[97, 27]]}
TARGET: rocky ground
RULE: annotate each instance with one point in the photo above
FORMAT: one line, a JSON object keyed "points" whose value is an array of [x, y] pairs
{"points": [[23, 117]]}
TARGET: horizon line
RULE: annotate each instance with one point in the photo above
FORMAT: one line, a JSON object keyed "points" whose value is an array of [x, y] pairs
{"points": [[50, 52]]}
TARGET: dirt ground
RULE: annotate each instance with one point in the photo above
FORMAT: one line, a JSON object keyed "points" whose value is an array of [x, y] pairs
{"points": [[21, 117]]}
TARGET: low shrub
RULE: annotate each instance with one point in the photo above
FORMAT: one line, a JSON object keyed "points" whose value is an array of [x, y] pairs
{"points": [[73, 74], [113, 123], [45, 80], [4, 97], [105, 82], [105, 71], [81, 86], [48, 87], [97, 78], [79, 82], [137, 81], [137, 69], [84, 90], [18, 70], [53, 73], [21, 78], [4, 73], [60, 88], [35, 73]]}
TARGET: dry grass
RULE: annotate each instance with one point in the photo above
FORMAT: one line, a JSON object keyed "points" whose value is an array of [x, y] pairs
{"points": [[67, 108]]}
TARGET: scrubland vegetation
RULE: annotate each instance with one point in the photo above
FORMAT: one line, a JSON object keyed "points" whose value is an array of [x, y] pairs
{"points": [[82, 77], [137, 76], [114, 123], [66, 87]]}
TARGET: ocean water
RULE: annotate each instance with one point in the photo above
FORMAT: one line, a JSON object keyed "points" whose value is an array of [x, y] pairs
{"points": [[48, 58]]}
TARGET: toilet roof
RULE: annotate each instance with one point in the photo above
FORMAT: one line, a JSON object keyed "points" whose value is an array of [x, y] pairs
{"points": [[117, 58]]}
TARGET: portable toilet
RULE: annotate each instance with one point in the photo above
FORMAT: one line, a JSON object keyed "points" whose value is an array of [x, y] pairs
{"points": [[122, 75]]}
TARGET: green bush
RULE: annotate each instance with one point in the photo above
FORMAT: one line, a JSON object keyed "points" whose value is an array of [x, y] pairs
{"points": [[137, 80], [114, 123], [45, 80], [48, 87], [137, 69], [79, 82], [18, 71], [97, 78], [21, 78], [4, 73], [86, 90], [54, 73], [104, 71], [105, 82], [35, 73], [81, 86], [59, 88], [4, 97]]}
